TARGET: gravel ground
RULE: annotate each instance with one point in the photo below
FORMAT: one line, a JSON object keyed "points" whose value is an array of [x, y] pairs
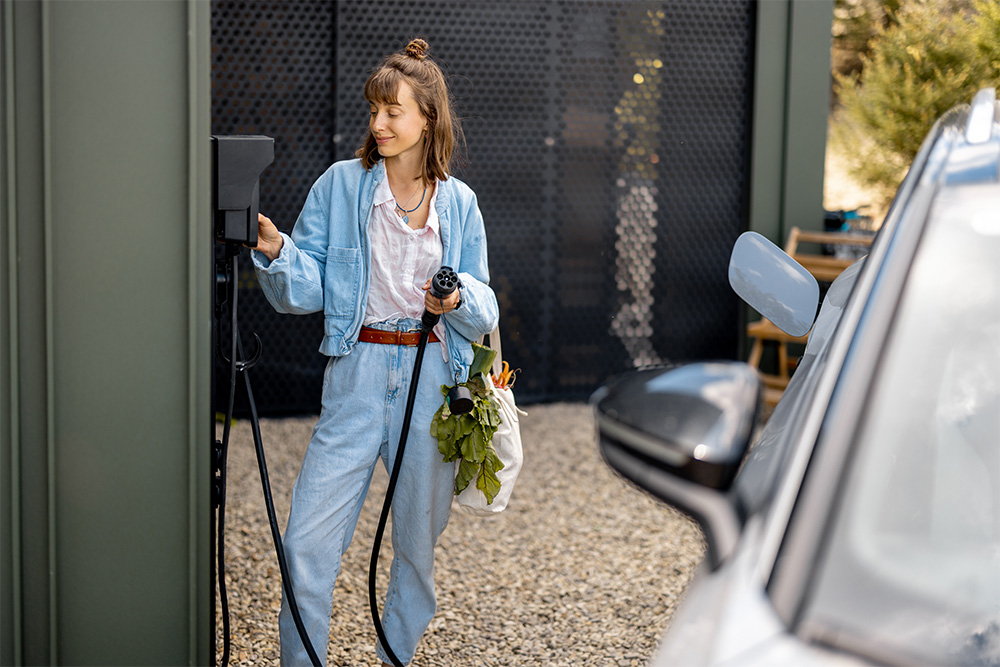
{"points": [[582, 568]]}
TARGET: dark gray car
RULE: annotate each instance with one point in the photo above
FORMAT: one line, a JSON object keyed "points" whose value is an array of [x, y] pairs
{"points": [[862, 523]]}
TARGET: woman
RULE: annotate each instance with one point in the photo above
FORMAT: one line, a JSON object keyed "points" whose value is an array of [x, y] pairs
{"points": [[372, 233]]}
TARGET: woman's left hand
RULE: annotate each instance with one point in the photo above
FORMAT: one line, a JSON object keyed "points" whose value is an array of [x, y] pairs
{"points": [[440, 306]]}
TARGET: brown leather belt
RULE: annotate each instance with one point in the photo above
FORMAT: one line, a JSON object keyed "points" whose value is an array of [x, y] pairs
{"points": [[409, 338]]}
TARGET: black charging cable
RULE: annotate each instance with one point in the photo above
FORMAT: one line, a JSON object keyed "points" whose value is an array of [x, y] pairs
{"points": [[237, 366], [444, 282]]}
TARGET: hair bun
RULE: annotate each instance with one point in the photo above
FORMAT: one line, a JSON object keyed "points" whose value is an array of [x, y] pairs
{"points": [[417, 48]]}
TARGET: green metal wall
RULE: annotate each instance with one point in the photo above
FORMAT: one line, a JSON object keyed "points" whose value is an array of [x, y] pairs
{"points": [[104, 394], [105, 314], [791, 102]]}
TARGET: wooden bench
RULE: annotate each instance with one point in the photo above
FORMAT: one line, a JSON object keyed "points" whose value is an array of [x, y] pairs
{"points": [[825, 268]]}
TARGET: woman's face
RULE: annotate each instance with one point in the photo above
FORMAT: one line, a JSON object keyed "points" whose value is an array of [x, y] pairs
{"points": [[398, 128]]}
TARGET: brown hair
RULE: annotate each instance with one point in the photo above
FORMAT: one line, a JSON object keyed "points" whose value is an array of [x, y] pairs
{"points": [[431, 94]]}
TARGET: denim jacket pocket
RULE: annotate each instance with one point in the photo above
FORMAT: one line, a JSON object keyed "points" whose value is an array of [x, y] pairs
{"points": [[342, 282]]}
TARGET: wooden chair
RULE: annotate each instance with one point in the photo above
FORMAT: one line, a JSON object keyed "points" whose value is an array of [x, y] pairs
{"points": [[825, 268]]}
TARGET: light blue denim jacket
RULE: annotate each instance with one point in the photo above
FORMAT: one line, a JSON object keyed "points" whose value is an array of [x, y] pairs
{"points": [[325, 264]]}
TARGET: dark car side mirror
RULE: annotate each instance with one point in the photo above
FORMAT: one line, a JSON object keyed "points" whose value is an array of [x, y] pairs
{"points": [[681, 435]]}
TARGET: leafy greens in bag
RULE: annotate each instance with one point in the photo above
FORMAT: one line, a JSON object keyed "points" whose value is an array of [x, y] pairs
{"points": [[468, 438]]}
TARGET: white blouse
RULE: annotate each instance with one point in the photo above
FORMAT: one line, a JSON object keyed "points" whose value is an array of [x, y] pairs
{"points": [[403, 259]]}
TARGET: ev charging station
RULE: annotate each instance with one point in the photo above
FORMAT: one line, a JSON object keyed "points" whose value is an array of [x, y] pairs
{"points": [[237, 162]]}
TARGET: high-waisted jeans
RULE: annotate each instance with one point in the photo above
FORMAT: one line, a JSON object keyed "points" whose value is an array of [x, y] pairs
{"points": [[364, 400]]}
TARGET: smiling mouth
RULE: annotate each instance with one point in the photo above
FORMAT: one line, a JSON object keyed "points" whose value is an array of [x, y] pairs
{"points": [[382, 140]]}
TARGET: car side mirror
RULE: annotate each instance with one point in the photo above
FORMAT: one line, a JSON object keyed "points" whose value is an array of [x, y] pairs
{"points": [[681, 434], [773, 284]]}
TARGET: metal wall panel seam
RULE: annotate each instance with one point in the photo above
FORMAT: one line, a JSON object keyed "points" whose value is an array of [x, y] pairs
{"points": [[192, 277], [807, 99], [549, 234], [768, 122], [786, 111], [47, 224], [14, 428], [195, 102]]}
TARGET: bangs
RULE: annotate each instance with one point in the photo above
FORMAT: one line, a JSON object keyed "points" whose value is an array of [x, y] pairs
{"points": [[382, 86]]}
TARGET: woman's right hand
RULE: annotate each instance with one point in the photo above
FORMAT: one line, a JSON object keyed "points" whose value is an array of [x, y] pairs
{"points": [[269, 241]]}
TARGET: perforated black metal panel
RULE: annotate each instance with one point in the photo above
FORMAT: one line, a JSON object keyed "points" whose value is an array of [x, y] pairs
{"points": [[273, 74], [608, 144]]}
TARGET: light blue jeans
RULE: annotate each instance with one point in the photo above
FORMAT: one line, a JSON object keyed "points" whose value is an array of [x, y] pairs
{"points": [[364, 400]]}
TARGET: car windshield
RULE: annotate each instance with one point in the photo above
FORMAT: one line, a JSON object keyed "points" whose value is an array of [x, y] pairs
{"points": [[913, 564]]}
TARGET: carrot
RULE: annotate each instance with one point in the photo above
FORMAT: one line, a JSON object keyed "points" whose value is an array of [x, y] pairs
{"points": [[506, 378]]}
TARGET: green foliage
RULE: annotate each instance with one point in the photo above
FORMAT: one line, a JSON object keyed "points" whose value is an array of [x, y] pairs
{"points": [[932, 56], [855, 23], [468, 438]]}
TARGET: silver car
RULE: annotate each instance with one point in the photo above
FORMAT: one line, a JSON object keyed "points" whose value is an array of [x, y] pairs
{"points": [[861, 524]]}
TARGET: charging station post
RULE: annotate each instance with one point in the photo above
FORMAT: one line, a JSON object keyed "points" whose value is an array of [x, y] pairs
{"points": [[237, 162]]}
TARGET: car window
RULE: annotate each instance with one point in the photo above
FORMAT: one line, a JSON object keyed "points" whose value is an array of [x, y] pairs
{"points": [[913, 561]]}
